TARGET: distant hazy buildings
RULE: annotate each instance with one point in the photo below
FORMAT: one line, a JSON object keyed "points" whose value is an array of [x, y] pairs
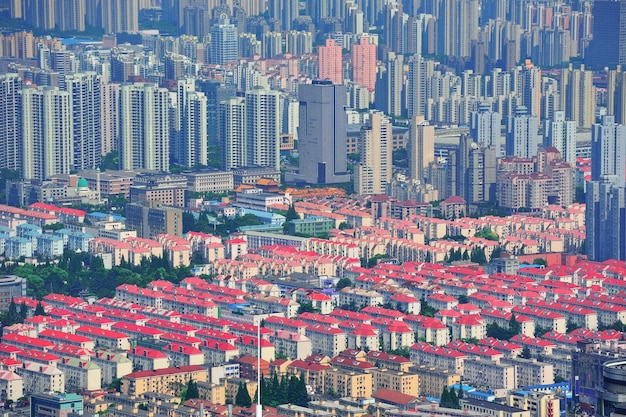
{"points": [[608, 47], [322, 133], [119, 15]]}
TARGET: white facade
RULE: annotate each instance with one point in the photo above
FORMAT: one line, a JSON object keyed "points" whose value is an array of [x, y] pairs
{"points": [[47, 133], [144, 127]]}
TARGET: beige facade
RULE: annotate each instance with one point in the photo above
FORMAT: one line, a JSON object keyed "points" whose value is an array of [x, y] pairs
{"points": [[538, 403], [432, 380], [168, 381], [348, 384], [80, 375], [406, 383]]}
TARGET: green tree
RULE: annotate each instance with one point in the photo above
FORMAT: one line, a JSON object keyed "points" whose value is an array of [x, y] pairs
{"points": [[444, 401], [426, 309], [514, 325], [110, 161], [525, 353], [487, 234], [571, 326], [540, 261], [192, 390], [242, 398], [23, 312], [307, 307], [343, 226], [478, 256], [343, 283], [39, 310], [12, 316]]}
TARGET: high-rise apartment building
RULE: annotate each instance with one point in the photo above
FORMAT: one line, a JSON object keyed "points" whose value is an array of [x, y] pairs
{"points": [[605, 220], [224, 42], [85, 95], [231, 127], [420, 70], [457, 26], [364, 63], [485, 126], [608, 150], [120, 15], [530, 88], [299, 42], [521, 134], [578, 96], [608, 47], [109, 121], [322, 133], [284, 11], [263, 126], [40, 13], [373, 172], [561, 134], [271, 44], [330, 65], [474, 171], [194, 137], [389, 86], [46, 133], [215, 92], [144, 127], [421, 147], [11, 121], [616, 94], [70, 15]]}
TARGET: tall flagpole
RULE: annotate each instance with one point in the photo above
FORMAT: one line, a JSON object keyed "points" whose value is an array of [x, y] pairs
{"points": [[259, 409]]}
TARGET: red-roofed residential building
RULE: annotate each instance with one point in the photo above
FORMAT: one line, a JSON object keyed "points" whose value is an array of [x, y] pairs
{"points": [[146, 358], [506, 348], [503, 319], [535, 345], [469, 327], [61, 338], [437, 357], [168, 381], [27, 343], [183, 355], [326, 340], [109, 338]]}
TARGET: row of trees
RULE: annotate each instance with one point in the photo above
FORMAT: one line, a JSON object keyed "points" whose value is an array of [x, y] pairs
{"points": [[477, 256], [450, 398], [79, 273]]}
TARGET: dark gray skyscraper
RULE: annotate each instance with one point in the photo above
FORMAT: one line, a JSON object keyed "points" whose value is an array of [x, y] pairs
{"points": [[322, 133], [608, 47], [11, 121]]}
